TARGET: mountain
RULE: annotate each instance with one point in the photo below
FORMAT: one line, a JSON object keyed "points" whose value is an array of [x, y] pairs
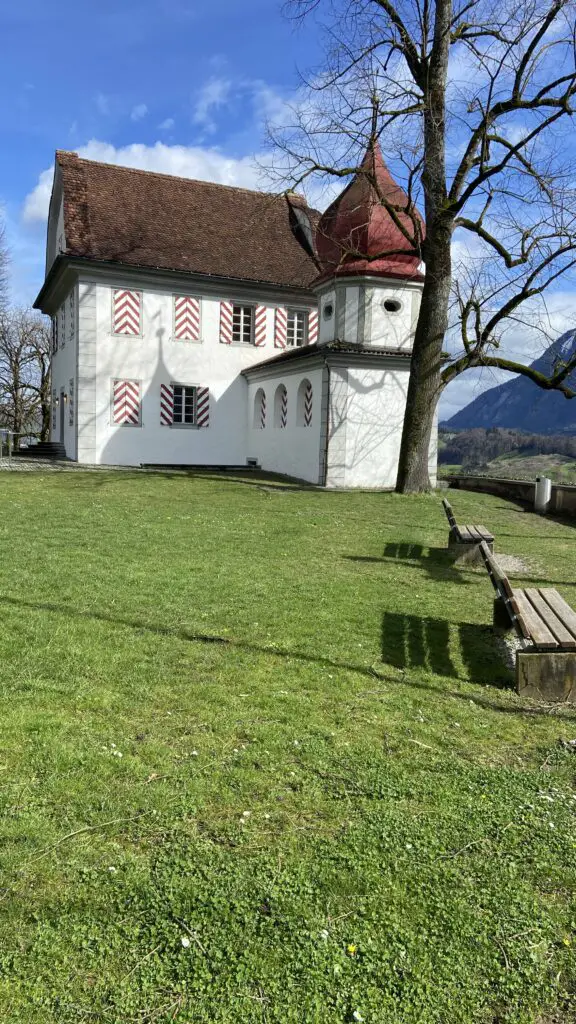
{"points": [[522, 405]]}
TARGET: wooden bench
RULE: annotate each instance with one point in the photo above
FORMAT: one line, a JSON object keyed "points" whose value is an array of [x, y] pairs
{"points": [[546, 627], [464, 541]]}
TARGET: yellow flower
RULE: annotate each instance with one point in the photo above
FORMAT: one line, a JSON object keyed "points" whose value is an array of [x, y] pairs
{"points": [[351, 949], [566, 940]]}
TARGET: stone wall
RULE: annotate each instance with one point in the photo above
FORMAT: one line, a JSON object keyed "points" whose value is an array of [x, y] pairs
{"points": [[563, 497]]}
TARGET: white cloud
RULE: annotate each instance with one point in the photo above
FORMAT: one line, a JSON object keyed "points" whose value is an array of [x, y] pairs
{"points": [[138, 112], [37, 202], [102, 103], [166, 125], [206, 164], [213, 95]]}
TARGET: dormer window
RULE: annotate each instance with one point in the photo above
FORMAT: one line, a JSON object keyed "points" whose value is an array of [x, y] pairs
{"points": [[392, 305]]}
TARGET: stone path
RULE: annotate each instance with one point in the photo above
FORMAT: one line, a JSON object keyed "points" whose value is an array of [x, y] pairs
{"points": [[24, 465]]}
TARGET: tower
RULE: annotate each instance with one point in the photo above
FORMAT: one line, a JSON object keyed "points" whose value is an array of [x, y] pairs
{"points": [[370, 284]]}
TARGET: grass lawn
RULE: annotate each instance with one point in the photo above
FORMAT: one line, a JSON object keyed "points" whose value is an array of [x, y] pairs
{"points": [[261, 761]]}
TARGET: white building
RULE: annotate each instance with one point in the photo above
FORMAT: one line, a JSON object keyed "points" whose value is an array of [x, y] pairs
{"points": [[197, 324]]}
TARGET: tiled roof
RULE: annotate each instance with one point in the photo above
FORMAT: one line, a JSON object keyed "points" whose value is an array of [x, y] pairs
{"points": [[357, 234], [308, 351], [145, 219]]}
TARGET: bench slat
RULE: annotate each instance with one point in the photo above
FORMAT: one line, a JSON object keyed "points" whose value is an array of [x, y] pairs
{"points": [[552, 622], [538, 631], [486, 535], [464, 534], [561, 608]]}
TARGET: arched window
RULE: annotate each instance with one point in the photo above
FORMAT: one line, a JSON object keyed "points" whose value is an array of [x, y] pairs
{"points": [[304, 404], [280, 407], [259, 421]]}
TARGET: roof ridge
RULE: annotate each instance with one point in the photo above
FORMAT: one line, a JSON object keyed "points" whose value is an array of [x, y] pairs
{"points": [[178, 177]]}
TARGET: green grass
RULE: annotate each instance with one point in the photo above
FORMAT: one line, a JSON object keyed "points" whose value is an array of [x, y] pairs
{"points": [[561, 469], [327, 786]]}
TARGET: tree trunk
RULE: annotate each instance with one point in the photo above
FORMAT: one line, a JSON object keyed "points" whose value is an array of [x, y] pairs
{"points": [[425, 386], [425, 381]]}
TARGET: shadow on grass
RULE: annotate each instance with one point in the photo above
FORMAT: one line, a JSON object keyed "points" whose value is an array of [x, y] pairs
{"points": [[412, 642], [405, 645], [437, 562]]}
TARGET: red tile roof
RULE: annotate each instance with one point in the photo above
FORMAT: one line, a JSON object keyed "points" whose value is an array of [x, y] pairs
{"points": [[357, 227], [145, 219]]}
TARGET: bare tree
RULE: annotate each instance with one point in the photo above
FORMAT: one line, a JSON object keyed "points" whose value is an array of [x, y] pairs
{"points": [[25, 352], [473, 105]]}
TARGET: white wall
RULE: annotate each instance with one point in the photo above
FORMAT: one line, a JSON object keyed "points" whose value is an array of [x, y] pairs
{"points": [[64, 372], [293, 450], [365, 426], [157, 358], [391, 330]]}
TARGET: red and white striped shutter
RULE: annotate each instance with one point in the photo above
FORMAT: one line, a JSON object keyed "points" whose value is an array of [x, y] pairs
{"points": [[312, 326], [226, 323], [260, 327], [166, 405], [186, 318], [284, 409], [280, 327], [126, 403], [126, 312], [203, 407], [308, 405]]}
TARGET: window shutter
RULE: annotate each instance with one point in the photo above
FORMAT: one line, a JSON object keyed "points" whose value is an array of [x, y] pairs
{"points": [[166, 405], [186, 318], [308, 405], [312, 326], [203, 407], [226, 323], [280, 327], [260, 326], [71, 403], [126, 403], [126, 312]]}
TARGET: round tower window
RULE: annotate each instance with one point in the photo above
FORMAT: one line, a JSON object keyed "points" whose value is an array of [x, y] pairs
{"points": [[328, 310], [392, 305]]}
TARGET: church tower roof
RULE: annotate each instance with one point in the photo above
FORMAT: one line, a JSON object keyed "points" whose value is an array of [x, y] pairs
{"points": [[356, 226]]}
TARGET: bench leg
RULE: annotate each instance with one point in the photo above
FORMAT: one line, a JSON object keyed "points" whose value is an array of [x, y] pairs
{"points": [[464, 553], [500, 616], [546, 675]]}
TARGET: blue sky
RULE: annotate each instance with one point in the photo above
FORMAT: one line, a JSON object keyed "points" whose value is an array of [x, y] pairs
{"points": [[177, 85]]}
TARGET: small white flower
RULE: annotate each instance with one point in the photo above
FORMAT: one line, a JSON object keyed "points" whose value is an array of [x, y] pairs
{"points": [[235, 751], [292, 774], [551, 824], [185, 941], [266, 816], [296, 743], [246, 814], [408, 846], [194, 753], [112, 870], [113, 745], [357, 1015], [324, 934]]}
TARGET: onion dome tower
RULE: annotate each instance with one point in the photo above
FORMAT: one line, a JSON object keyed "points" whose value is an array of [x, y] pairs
{"points": [[370, 281]]}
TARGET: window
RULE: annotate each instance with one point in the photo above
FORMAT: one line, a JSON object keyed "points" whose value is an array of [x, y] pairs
{"points": [[54, 334], [281, 407], [184, 412], [296, 328], [304, 404], [243, 324], [328, 311], [259, 420], [392, 305]]}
